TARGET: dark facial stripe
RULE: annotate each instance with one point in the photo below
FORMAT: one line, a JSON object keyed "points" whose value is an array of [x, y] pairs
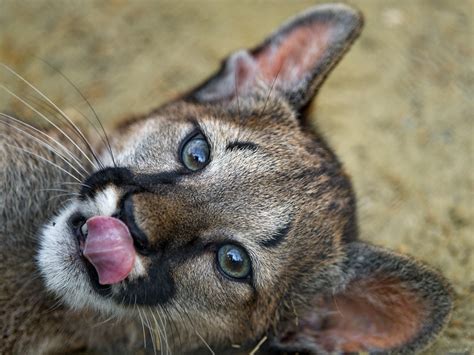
{"points": [[123, 177], [242, 146], [278, 237], [149, 182], [104, 177]]}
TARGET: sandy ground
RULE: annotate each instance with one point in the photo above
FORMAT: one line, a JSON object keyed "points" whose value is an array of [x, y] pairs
{"points": [[398, 110]]}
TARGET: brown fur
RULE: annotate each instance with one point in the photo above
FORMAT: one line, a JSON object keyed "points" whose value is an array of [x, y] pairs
{"points": [[272, 186], [32, 320]]}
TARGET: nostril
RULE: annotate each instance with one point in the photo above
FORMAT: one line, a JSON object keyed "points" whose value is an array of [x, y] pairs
{"points": [[76, 220], [78, 225]]}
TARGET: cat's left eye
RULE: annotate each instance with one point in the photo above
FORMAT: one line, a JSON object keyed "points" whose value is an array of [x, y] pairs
{"points": [[195, 153], [234, 261]]}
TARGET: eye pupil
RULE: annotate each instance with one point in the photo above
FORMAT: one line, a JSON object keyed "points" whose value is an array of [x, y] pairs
{"points": [[234, 261], [197, 155]]}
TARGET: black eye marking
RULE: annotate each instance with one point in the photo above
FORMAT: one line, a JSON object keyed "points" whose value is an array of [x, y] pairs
{"points": [[242, 146], [123, 177], [118, 176], [278, 237], [149, 182]]}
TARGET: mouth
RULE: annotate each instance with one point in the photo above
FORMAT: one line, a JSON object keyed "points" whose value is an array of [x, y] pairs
{"points": [[116, 259], [106, 247]]}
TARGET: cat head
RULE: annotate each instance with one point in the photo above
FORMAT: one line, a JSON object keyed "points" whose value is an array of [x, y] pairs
{"points": [[223, 218]]}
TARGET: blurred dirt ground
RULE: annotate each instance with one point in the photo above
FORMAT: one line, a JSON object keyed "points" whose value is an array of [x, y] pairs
{"points": [[398, 109]]}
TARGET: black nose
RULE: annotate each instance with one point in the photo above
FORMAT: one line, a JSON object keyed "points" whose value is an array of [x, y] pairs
{"points": [[118, 176]]}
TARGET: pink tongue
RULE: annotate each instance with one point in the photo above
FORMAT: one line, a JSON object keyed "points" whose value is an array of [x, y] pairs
{"points": [[109, 248]]}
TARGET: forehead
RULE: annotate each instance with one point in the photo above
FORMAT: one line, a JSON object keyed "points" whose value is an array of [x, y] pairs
{"points": [[270, 125]]}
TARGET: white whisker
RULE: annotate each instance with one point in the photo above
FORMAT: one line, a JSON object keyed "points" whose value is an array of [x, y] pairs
{"points": [[158, 328], [150, 331], [104, 321], [205, 342], [50, 122], [164, 330], [141, 322], [62, 195], [74, 183], [57, 108], [42, 158], [47, 146], [55, 190], [106, 140], [65, 149]]}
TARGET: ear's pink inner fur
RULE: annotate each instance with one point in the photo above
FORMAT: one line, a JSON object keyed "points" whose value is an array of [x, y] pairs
{"points": [[294, 57], [377, 312]]}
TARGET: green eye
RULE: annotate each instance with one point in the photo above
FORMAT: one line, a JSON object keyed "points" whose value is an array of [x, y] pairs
{"points": [[195, 153], [233, 261]]}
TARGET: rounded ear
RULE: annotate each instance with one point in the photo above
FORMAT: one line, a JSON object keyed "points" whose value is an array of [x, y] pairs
{"points": [[293, 61], [388, 302]]}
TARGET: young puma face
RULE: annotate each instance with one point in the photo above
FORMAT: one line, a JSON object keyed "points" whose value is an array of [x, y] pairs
{"points": [[223, 218], [213, 236]]}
